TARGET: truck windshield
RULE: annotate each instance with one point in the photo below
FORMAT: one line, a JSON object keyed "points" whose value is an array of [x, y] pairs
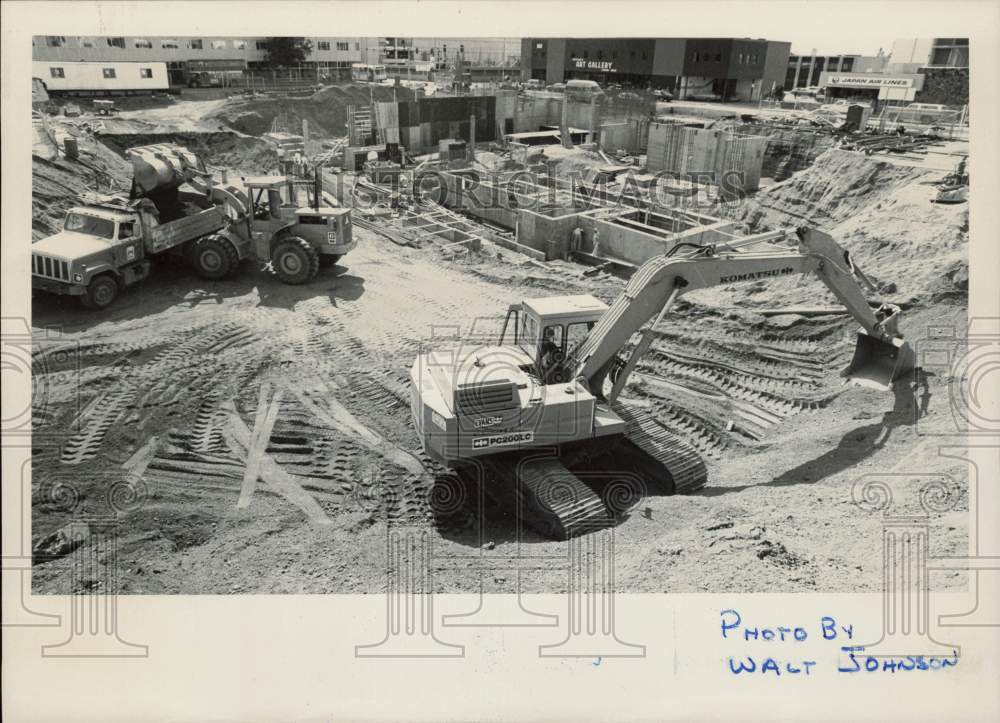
{"points": [[90, 225]]}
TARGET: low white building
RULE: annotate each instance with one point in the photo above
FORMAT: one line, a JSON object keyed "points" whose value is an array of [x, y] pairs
{"points": [[100, 77]]}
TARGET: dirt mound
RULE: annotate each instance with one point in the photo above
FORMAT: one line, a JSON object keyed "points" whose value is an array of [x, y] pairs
{"points": [[58, 182], [221, 149], [882, 213], [326, 110]]}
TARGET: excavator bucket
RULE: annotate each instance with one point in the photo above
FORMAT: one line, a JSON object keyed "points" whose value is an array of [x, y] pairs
{"points": [[877, 364]]}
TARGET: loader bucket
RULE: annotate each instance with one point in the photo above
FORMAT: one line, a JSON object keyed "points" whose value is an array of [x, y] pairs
{"points": [[877, 364]]}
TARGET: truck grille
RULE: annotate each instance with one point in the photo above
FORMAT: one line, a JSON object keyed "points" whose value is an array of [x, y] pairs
{"points": [[49, 268]]}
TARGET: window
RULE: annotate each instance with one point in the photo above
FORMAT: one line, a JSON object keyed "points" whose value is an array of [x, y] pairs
{"points": [[90, 225], [108, 72], [125, 230], [576, 333], [219, 45], [116, 43], [529, 331], [145, 72], [357, 46], [600, 54], [143, 43], [323, 45], [261, 45], [343, 46], [86, 42], [697, 56], [57, 72], [741, 59], [169, 45], [539, 46], [240, 44], [55, 41], [195, 44], [718, 57]]}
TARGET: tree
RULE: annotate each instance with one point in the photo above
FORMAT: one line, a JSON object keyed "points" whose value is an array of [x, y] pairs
{"points": [[285, 51]]}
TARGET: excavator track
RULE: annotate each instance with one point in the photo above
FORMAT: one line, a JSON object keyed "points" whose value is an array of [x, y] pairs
{"points": [[552, 499], [680, 459]]}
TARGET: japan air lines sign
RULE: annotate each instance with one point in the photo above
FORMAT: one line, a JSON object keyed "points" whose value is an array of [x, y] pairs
{"points": [[866, 81], [584, 64]]}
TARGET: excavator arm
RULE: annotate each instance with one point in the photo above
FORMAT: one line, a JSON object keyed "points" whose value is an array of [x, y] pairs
{"points": [[880, 356]]}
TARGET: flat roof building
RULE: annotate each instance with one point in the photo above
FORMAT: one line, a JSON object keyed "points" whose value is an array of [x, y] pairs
{"points": [[724, 68]]}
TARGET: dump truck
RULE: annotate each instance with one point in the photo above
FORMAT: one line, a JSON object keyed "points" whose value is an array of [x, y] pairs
{"points": [[537, 419], [175, 208]]}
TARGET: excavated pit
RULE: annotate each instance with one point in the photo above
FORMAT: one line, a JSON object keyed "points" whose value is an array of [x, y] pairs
{"points": [[163, 382]]}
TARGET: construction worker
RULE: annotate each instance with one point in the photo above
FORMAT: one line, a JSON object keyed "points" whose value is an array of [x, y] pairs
{"points": [[549, 352], [576, 239]]}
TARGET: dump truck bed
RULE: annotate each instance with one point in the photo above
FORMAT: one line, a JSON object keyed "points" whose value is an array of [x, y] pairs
{"points": [[172, 233]]}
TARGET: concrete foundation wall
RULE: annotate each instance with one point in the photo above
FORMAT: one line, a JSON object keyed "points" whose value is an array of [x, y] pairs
{"points": [[533, 111], [619, 135], [603, 237], [722, 157], [549, 229]]}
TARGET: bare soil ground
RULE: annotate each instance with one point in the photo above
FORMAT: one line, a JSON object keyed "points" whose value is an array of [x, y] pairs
{"points": [[167, 381]]}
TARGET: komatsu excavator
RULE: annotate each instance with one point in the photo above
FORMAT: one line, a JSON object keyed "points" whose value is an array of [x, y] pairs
{"points": [[538, 416]]}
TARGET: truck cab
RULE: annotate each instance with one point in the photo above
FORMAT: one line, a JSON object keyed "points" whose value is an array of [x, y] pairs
{"points": [[94, 240], [549, 330]]}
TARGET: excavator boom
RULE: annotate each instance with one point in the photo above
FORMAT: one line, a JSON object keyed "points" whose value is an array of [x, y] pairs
{"points": [[881, 355]]}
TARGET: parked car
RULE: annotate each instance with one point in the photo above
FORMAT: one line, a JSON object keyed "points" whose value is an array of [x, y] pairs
{"points": [[663, 95]]}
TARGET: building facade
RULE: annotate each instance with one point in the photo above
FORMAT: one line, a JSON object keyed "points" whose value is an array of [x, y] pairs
{"points": [[727, 68], [186, 54], [804, 70], [911, 54]]}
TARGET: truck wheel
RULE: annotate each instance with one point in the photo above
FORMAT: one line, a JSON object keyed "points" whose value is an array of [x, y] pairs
{"points": [[328, 260], [294, 261], [101, 292], [213, 257]]}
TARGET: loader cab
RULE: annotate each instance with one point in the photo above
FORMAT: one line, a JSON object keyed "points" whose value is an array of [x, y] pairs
{"points": [[271, 199], [283, 202], [550, 330]]}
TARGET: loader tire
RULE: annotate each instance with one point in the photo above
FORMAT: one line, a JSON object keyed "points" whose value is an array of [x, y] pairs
{"points": [[294, 261], [213, 257], [101, 293], [328, 260]]}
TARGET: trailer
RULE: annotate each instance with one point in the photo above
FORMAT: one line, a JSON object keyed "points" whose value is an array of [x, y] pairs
{"points": [[101, 78]]}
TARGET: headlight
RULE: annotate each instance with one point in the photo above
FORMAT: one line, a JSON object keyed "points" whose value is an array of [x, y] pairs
{"points": [[77, 277]]}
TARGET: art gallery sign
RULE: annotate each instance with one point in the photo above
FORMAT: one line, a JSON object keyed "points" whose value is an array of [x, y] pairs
{"points": [[584, 64]]}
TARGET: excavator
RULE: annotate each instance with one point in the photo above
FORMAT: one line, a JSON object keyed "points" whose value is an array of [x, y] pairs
{"points": [[537, 417]]}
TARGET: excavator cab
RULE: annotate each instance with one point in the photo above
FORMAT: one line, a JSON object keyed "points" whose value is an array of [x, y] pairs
{"points": [[549, 330]]}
